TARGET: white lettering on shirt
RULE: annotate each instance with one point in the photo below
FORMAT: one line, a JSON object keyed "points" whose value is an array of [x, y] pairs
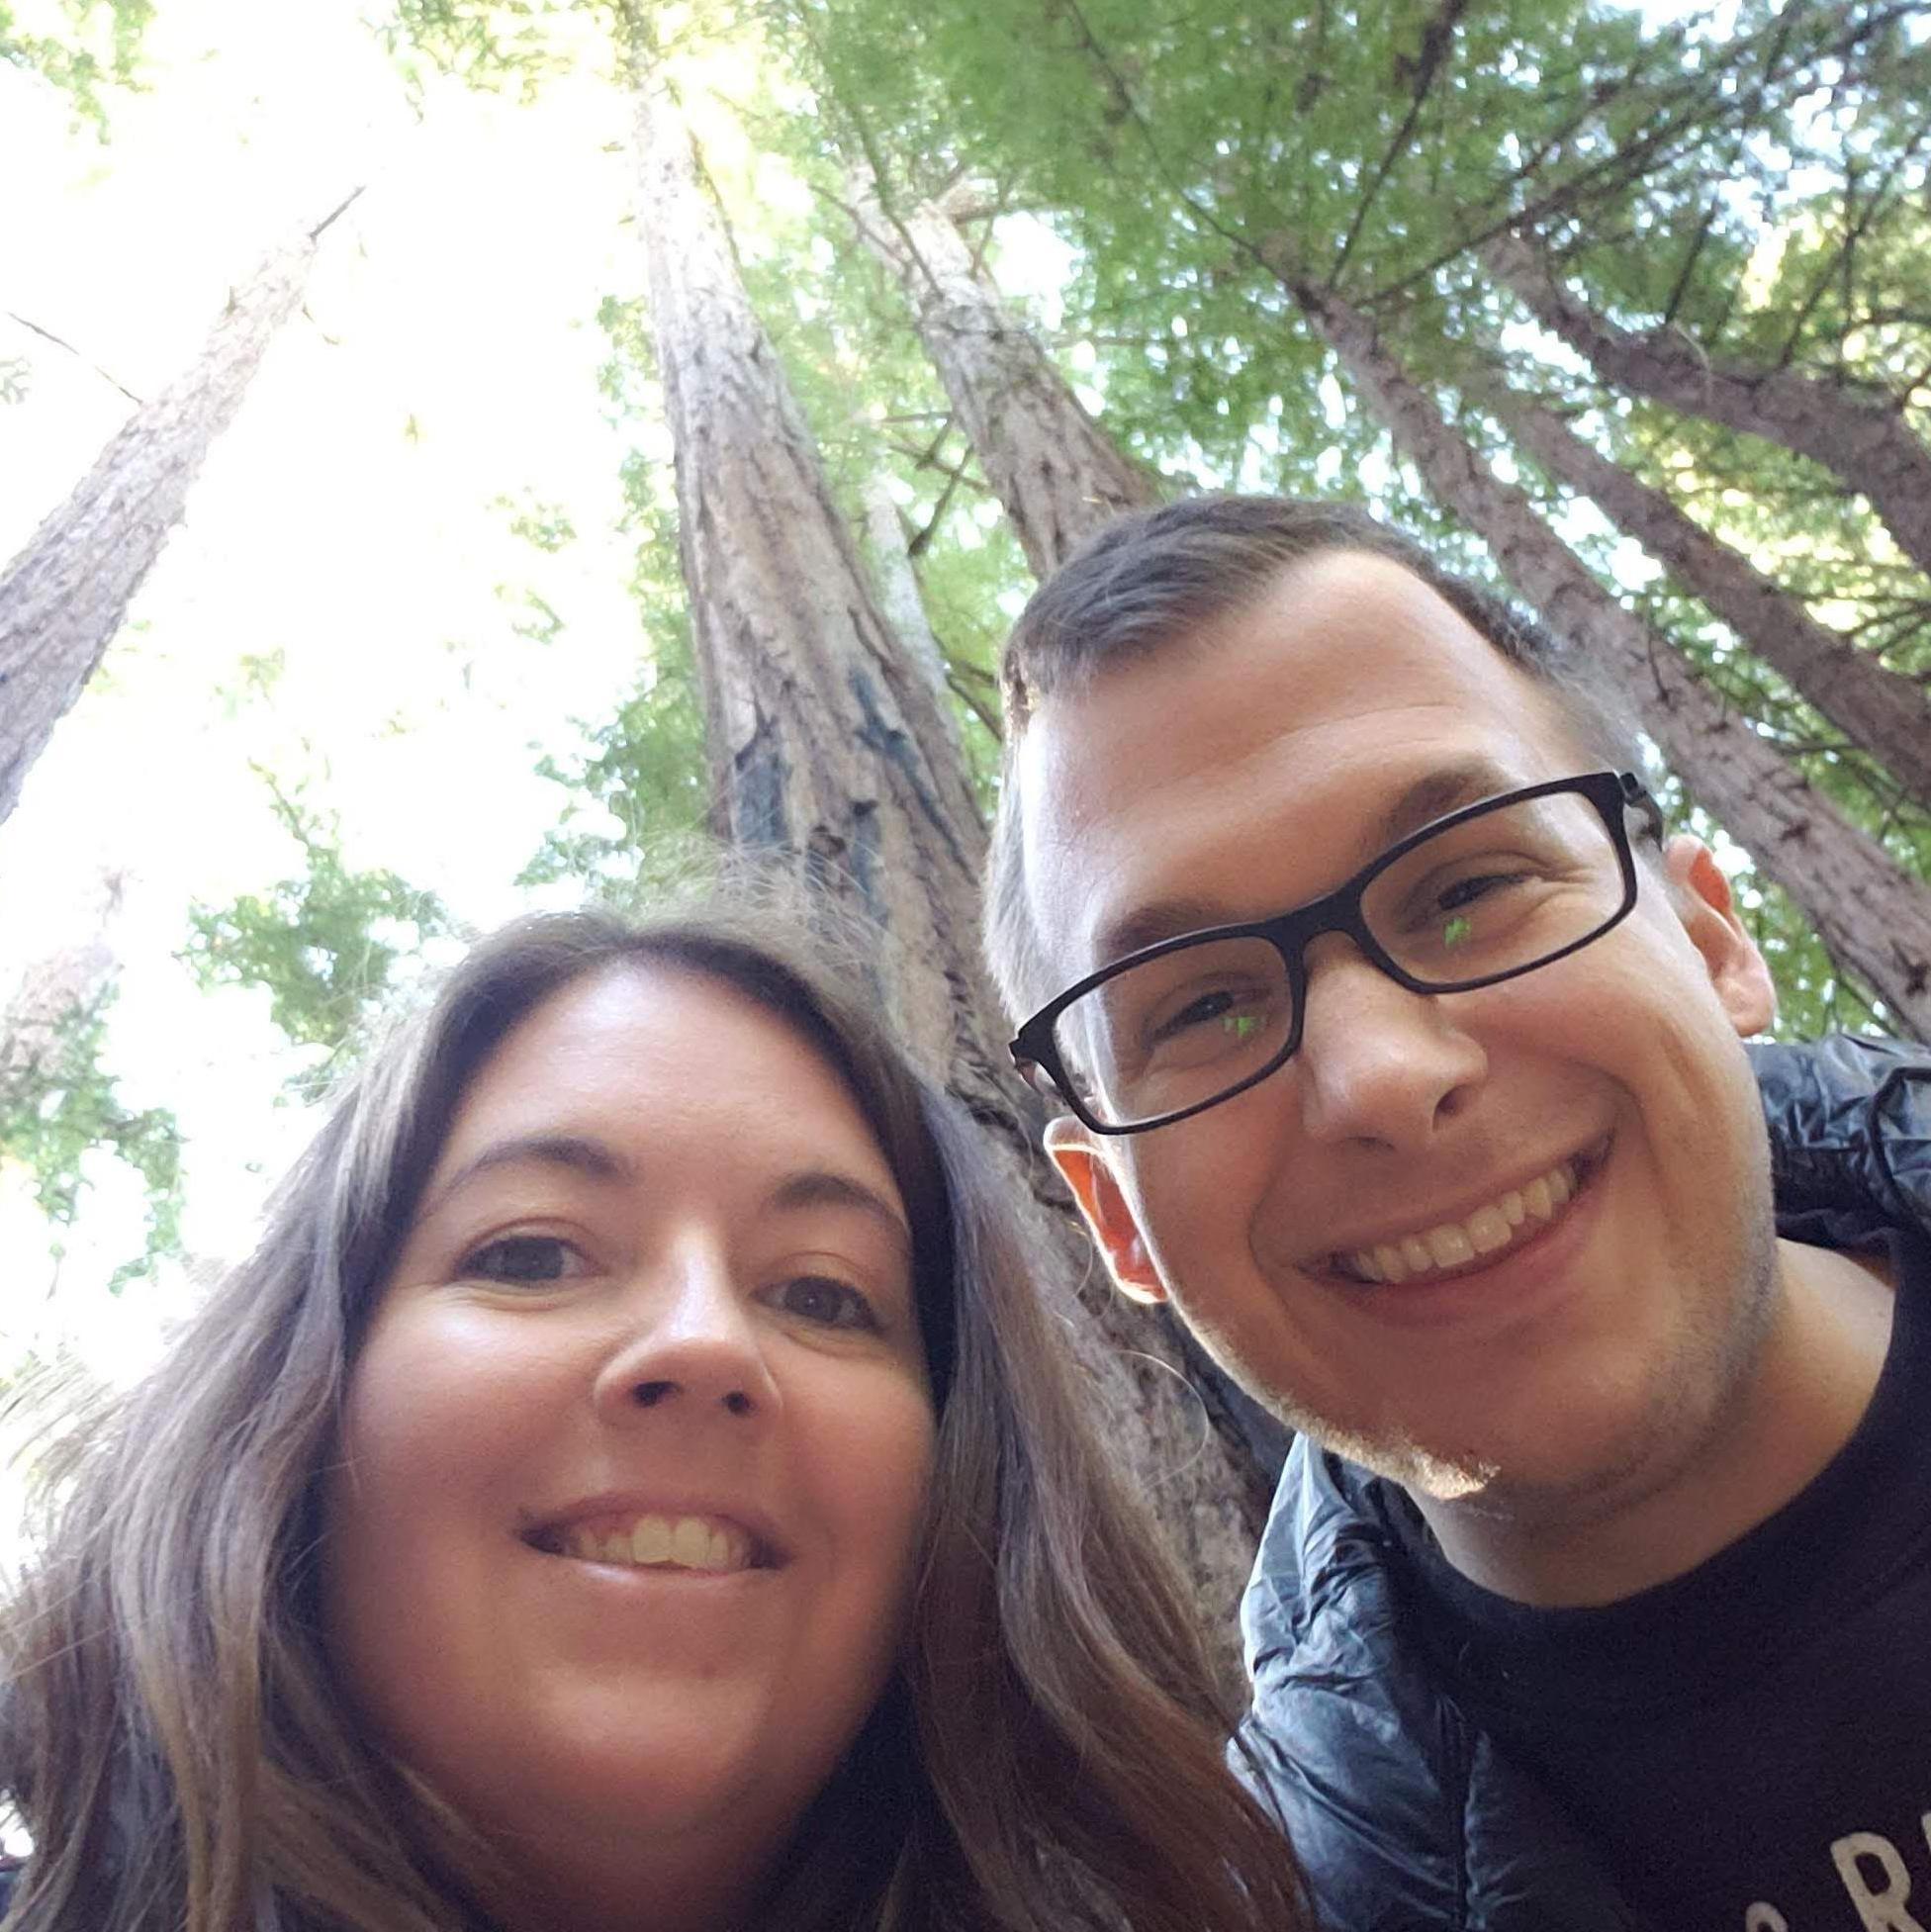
{"points": [[1876, 1879], [1880, 1911]]}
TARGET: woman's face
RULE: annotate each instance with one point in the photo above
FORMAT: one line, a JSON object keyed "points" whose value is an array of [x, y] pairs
{"points": [[635, 1452]]}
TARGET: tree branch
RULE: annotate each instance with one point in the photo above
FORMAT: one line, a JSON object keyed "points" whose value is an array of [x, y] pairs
{"points": [[61, 342], [1436, 37]]}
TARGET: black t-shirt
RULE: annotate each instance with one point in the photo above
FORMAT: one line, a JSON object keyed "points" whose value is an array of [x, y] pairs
{"points": [[1750, 1744]]}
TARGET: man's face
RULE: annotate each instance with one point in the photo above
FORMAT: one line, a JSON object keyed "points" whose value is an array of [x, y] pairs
{"points": [[1256, 766]]}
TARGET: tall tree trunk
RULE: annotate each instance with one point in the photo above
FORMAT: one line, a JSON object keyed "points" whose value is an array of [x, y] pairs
{"points": [[1058, 475], [1886, 713], [1872, 917], [828, 747], [1860, 437], [52, 991], [63, 599], [899, 598]]}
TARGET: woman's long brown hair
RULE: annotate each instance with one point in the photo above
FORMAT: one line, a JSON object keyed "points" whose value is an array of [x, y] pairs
{"points": [[170, 1732]]}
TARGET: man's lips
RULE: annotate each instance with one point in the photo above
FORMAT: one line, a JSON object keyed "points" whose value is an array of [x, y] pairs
{"points": [[1478, 1236], [711, 1537]]}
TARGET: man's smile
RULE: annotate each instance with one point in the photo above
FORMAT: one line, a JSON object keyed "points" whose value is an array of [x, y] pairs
{"points": [[1453, 1246]]}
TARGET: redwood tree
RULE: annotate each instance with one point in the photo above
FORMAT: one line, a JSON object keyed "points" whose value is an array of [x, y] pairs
{"points": [[1881, 709], [63, 599], [1860, 434], [1056, 472], [1872, 914]]}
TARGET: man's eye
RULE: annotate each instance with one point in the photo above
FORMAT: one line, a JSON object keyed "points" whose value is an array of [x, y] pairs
{"points": [[1465, 892], [521, 1261], [1200, 1012], [1231, 1011], [826, 1301]]}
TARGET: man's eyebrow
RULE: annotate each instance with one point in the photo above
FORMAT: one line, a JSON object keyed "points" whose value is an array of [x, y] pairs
{"points": [[820, 1187], [1157, 919], [1435, 794], [574, 1151]]}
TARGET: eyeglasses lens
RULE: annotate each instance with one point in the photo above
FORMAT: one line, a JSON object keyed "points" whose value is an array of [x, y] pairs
{"points": [[1496, 894]]}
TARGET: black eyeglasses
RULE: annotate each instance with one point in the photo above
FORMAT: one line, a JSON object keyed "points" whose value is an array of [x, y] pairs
{"points": [[1493, 890]]}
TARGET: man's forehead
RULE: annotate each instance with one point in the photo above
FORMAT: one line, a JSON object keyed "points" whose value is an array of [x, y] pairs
{"points": [[1338, 635], [1125, 921], [1351, 706]]}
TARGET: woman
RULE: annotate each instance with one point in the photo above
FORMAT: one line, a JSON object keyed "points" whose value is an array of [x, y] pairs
{"points": [[632, 1484]]}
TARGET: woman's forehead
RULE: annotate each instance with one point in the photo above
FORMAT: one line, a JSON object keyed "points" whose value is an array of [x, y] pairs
{"points": [[647, 1056]]}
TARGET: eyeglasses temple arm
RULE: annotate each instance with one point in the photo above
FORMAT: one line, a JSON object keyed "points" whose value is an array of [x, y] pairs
{"points": [[1637, 797]]}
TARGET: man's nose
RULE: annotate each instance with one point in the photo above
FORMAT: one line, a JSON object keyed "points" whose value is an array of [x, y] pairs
{"points": [[1377, 1063], [690, 1341]]}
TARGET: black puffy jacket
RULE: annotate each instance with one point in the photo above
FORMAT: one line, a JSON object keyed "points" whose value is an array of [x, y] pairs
{"points": [[1407, 1816]]}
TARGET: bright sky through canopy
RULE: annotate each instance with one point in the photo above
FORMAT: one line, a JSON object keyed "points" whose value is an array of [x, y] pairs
{"points": [[350, 528]]}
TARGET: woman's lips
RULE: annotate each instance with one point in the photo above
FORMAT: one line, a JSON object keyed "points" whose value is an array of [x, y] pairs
{"points": [[636, 1537]]}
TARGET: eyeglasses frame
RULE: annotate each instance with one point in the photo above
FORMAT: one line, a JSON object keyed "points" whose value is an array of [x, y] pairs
{"points": [[1291, 933]]}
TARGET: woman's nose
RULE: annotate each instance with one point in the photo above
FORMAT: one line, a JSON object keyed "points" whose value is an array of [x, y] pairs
{"points": [[690, 1341]]}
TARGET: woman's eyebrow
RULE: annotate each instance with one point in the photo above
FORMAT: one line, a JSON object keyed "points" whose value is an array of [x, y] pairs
{"points": [[815, 1187], [574, 1151]]}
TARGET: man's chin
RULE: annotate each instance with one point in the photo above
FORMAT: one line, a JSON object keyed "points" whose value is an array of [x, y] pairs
{"points": [[1493, 1479], [1427, 1473]]}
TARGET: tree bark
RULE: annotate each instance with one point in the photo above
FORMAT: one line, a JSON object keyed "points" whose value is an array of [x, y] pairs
{"points": [[63, 599], [1058, 475], [1878, 709], [899, 598], [828, 750], [52, 991], [1860, 437], [1874, 918]]}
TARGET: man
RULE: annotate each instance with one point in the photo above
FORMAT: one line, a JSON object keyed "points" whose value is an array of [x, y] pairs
{"points": [[1401, 1052]]}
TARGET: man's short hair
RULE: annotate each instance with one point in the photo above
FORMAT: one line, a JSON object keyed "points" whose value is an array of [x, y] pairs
{"points": [[1154, 579]]}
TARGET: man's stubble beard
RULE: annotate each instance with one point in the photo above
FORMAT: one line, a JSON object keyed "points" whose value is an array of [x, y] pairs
{"points": [[1696, 1396]]}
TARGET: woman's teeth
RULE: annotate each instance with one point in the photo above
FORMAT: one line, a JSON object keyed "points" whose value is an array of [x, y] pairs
{"points": [[1522, 1211], [661, 1542]]}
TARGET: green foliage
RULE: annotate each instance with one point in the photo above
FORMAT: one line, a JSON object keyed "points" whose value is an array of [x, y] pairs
{"points": [[496, 45], [1753, 175], [542, 525], [325, 944], [505, 44], [539, 622], [58, 1106], [101, 48], [637, 796], [16, 378]]}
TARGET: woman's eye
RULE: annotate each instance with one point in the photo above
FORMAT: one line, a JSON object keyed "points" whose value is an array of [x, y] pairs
{"points": [[821, 1299], [521, 1261]]}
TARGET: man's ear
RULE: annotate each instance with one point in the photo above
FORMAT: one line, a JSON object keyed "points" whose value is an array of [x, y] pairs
{"points": [[1109, 1219], [1700, 894]]}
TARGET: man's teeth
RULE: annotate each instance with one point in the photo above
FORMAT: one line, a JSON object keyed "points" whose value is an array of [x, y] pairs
{"points": [[1487, 1231], [661, 1542]]}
